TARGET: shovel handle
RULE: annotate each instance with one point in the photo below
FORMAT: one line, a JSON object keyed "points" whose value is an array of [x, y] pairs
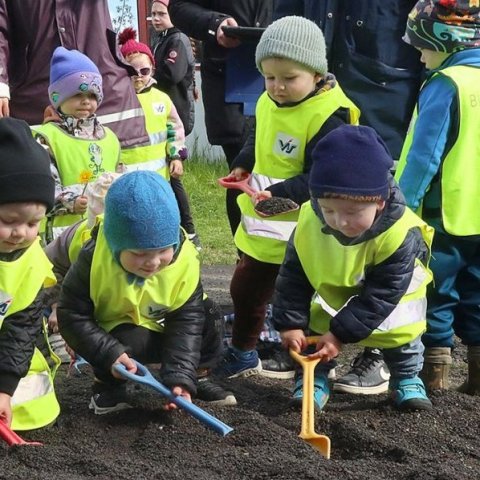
{"points": [[243, 185], [144, 376], [302, 359], [11, 437]]}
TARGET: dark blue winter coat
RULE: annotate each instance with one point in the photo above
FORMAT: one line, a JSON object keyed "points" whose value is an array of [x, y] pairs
{"points": [[378, 71]]}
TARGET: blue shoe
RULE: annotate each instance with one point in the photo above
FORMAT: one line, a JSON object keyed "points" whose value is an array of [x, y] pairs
{"points": [[409, 394], [237, 363], [321, 392]]}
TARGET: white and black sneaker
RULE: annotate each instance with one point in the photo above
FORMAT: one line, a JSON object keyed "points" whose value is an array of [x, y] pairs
{"points": [[108, 398], [214, 394], [369, 375]]}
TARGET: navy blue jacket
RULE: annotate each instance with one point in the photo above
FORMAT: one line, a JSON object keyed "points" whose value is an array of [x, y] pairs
{"points": [[376, 69]]}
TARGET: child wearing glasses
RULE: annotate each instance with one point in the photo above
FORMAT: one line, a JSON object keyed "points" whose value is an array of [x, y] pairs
{"points": [[166, 151], [80, 147]]}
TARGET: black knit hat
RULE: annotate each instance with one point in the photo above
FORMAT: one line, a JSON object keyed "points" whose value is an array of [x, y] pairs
{"points": [[351, 161], [24, 166]]}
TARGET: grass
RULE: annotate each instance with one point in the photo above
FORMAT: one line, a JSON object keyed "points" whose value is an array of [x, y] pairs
{"points": [[207, 200]]}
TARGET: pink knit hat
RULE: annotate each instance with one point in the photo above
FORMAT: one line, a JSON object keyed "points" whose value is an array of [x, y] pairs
{"points": [[163, 2], [128, 44]]}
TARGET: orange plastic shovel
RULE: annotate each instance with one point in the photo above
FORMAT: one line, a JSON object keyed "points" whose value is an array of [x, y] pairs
{"points": [[307, 433]]}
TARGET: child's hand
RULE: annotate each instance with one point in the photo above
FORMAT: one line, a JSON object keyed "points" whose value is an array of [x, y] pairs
{"points": [[238, 174], [176, 168], [328, 347], [52, 319], [80, 204], [5, 408], [127, 362], [294, 339], [178, 391], [262, 195]]}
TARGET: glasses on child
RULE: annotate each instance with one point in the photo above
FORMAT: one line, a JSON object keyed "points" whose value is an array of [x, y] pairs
{"points": [[142, 72]]}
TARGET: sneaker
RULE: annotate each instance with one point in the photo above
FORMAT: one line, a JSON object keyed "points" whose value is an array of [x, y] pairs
{"points": [[321, 392], [369, 375], [240, 364], [276, 362], [409, 394], [108, 399], [195, 239], [57, 344], [211, 392]]}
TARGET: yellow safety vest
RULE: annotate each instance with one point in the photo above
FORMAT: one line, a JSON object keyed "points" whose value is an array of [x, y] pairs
{"points": [[281, 137], [156, 106], [74, 156], [34, 403], [336, 272], [460, 181], [117, 302]]}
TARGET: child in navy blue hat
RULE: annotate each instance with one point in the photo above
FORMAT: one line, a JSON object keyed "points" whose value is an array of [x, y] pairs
{"points": [[355, 270], [135, 292], [80, 147]]}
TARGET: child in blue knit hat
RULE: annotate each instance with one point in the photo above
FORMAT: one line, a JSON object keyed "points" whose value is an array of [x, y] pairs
{"points": [[135, 292], [80, 147], [439, 174], [301, 104], [355, 270]]}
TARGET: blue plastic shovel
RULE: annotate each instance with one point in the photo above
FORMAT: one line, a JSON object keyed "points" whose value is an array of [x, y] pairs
{"points": [[145, 377]]}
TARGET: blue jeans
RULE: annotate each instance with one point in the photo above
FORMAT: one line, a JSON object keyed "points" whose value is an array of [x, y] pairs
{"points": [[405, 361], [454, 300]]}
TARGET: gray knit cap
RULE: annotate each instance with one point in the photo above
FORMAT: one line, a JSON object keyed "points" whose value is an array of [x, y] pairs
{"points": [[294, 38]]}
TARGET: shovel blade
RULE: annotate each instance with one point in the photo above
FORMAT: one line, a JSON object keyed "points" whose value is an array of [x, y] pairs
{"points": [[318, 442]]}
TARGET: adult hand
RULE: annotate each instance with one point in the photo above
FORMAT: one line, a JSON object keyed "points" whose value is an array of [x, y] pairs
{"points": [[127, 362], [4, 107], [328, 347], [294, 339], [5, 408], [222, 39]]}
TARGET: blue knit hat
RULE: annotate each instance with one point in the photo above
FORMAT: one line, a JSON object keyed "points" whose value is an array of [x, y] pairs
{"points": [[71, 73], [141, 213], [351, 162]]}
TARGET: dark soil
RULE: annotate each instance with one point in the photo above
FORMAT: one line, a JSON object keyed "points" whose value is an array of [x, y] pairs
{"points": [[370, 439], [274, 206]]}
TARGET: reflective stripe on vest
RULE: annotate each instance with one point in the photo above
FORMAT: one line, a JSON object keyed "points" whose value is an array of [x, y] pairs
{"points": [[460, 187], [157, 107], [117, 302], [281, 137], [34, 404], [337, 272]]}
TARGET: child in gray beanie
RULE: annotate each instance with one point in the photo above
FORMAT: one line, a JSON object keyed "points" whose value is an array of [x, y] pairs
{"points": [[302, 103]]}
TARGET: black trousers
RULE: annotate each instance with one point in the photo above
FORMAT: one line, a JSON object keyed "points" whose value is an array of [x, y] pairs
{"points": [[145, 345], [186, 220]]}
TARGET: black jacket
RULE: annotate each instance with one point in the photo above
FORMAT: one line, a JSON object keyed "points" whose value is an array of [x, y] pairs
{"points": [[18, 335], [79, 328], [384, 285], [174, 72], [200, 19]]}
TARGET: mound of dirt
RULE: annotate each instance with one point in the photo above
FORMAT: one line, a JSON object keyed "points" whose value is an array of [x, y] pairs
{"points": [[370, 439]]}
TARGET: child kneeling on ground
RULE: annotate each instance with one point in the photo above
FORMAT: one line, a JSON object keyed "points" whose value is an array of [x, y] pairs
{"points": [[135, 292], [355, 270]]}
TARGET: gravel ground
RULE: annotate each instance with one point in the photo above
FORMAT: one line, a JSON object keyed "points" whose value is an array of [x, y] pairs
{"points": [[370, 439]]}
